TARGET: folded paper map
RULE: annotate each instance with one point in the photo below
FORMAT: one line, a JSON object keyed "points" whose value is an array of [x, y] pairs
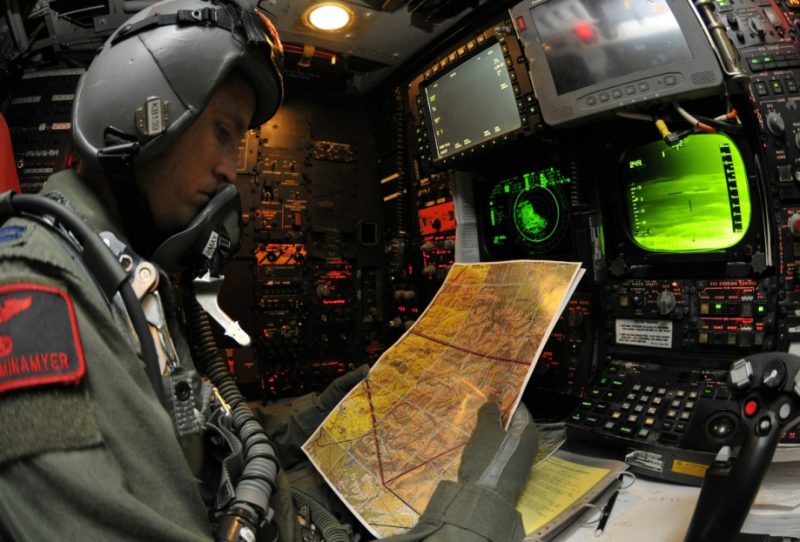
{"points": [[390, 441]]}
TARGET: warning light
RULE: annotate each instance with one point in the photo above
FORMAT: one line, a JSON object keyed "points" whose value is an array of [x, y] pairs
{"points": [[585, 32]]}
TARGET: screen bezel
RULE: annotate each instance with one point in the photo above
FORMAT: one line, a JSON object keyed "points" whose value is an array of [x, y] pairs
{"points": [[517, 66], [568, 108], [627, 259], [426, 113], [423, 89]]}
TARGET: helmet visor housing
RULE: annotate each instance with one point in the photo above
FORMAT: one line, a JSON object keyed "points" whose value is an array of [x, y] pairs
{"points": [[158, 71]]}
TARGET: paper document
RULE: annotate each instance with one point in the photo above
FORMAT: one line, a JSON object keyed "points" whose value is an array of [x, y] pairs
{"points": [[467, 237], [558, 488], [390, 441], [776, 509]]}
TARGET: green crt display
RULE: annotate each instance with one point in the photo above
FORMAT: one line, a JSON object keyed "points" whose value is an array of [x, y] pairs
{"points": [[690, 197], [529, 211]]}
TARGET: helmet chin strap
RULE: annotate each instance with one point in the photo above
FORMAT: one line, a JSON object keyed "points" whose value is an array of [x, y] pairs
{"points": [[132, 205]]}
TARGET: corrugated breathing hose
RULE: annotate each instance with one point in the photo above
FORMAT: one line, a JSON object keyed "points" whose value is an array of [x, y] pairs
{"points": [[257, 482]]}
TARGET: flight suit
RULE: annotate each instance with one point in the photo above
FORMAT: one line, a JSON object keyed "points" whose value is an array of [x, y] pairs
{"points": [[96, 457], [87, 452]]}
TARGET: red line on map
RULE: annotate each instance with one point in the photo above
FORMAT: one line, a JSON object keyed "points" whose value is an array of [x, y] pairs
{"points": [[460, 271], [467, 350], [384, 482], [389, 481], [319, 444], [374, 430]]}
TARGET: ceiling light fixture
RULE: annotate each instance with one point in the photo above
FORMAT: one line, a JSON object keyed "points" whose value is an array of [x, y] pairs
{"points": [[328, 16]]}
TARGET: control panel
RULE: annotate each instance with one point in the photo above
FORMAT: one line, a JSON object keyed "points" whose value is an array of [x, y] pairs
{"points": [[754, 22], [313, 270], [39, 118], [692, 315], [565, 364], [438, 229]]}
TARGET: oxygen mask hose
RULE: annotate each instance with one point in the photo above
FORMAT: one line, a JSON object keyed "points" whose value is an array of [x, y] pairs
{"points": [[250, 507]]}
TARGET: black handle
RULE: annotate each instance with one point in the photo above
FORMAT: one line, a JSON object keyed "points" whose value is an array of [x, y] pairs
{"points": [[766, 388]]}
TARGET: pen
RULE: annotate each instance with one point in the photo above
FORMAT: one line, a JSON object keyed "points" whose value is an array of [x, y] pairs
{"points": [[606, 512]]}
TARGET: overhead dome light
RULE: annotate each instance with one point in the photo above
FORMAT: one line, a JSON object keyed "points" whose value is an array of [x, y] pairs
{"points": [[328, 16]]}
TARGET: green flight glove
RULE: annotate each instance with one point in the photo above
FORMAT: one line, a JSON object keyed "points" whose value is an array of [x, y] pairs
{"points": [[500, 459], [336, 391], [494, 468], [289, 423]]}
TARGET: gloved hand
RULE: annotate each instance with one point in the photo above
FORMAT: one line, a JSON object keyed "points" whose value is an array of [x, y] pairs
{"points": [[500, 459], [289, 423], [494, 468], [336, 391]]}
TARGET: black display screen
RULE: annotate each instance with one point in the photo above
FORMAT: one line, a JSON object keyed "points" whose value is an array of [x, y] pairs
{"points": [[472, 103], [590, 41]]}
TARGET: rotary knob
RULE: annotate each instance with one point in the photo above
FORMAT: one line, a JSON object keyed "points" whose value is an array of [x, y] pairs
{"points": [[794, 225], [757, 28], [774, 374], [665, 302], [775, 124], [323, 291], [574, 318]]}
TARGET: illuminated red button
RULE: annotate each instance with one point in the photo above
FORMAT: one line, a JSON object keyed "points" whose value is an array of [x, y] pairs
{"points": [[521, 24], [750, 408], [794, 225]]}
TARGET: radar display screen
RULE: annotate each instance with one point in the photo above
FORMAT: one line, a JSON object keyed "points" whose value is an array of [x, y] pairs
{"points": [[690, 197], [527, 214]]}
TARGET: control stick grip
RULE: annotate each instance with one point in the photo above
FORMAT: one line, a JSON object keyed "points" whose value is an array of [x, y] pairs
{"points": [[728, 492], [767, 387]]}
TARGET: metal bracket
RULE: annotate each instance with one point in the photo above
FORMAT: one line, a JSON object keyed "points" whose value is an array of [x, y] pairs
{"points": [[206, 290]]}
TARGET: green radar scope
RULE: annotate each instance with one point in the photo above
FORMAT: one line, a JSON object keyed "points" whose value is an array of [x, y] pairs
{"points": [[528, 212]]}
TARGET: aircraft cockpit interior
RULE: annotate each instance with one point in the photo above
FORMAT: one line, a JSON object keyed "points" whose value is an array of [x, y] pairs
{"points": [[656, 143]]}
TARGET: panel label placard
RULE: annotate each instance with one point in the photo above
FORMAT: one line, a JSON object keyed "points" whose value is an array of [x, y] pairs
{"points": [[652, 333]]}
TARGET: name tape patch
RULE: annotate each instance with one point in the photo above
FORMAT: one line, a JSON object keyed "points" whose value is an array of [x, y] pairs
{"points": [[39, 340]]}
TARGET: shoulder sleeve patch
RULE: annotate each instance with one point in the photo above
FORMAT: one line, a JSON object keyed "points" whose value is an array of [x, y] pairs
{"points": [[39, 340], [45, 420]]}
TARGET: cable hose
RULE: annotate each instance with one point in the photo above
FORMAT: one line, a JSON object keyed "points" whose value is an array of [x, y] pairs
{"points": [[257, 481], [330, 527]]}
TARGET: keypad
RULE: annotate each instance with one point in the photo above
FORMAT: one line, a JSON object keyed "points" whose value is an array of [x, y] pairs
{"points": [[635, 402]]}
